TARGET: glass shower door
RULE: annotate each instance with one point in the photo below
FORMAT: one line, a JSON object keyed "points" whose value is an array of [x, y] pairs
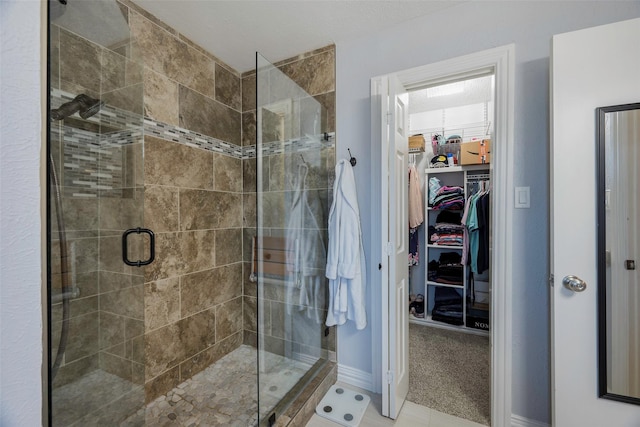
{"points": [[96, 320], [293, 169]]}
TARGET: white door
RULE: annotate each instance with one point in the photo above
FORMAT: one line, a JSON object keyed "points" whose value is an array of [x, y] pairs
{"points": [[591, 68], [395, 146]]}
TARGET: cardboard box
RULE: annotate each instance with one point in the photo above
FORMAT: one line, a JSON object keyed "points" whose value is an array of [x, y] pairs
{"points": [[475, 152], [416, 142]]}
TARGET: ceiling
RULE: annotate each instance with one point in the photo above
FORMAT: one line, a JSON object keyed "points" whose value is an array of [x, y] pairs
{"points": [[233, 30]]}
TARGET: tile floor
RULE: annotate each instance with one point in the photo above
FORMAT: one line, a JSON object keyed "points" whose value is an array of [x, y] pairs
{"points": [[224, 394], [411, 415]]}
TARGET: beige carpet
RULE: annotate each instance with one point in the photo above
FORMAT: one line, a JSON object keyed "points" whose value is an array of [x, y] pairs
{"points": [[450, 372]]}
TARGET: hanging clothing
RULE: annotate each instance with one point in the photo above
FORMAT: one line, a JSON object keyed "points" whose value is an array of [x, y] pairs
{"points": [[416, 209], [306, 252], [416, 215], [414, 247], [346, 269]]}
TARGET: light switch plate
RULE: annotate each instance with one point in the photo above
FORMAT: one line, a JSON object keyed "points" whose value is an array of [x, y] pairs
{"points": [[522, 198]]}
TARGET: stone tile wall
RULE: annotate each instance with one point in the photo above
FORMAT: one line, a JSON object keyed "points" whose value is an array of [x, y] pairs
{"points": [[193, 202], [194, 304]]}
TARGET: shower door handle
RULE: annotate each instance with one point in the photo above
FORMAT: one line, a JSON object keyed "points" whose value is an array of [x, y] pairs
{"points": [[125, 247]]}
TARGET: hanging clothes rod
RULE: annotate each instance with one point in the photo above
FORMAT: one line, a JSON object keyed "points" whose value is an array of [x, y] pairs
{"points": [[479, 177]]}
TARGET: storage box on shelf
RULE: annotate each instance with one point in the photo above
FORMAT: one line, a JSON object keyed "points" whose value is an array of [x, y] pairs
{"points": [[475, 152]]}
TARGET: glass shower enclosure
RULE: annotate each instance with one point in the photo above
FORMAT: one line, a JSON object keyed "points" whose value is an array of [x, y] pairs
{"points": [[96, 193], [107, 360], [294, 165]]}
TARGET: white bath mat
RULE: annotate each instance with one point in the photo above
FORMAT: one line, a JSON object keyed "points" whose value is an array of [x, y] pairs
{"points": [[343, 406]]}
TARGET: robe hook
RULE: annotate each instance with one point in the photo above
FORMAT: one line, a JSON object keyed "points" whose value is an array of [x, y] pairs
{"points": [[352, 159]]}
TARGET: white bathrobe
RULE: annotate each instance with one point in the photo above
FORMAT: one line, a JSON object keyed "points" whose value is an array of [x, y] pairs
{"points": [[346, 269], [306, 252]]}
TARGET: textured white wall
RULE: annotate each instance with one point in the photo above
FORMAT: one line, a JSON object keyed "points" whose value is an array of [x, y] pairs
{"points": [[20, 220], [461, 30]]}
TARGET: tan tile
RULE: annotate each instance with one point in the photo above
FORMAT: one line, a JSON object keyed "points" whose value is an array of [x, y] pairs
{"points": [[228, 318], [54, 55], [250, 338], [161, 208], [328, 102], [84, 252], [274, 203], [111, 330], [248, 233], [278, 172], [273, 127], [249, 92], [279, 320], [111, 281], [80, 213], [160, 98], [161, 303], [249, 314], [113, 71], [227, 87], [209, 209], [71, 371], [111, 254], [249, 218], [180, 253], [315, 74], [133, 165], [205, 289], [133, 328], [167, 55], [249, 128], [203, 360], [115, 365], [198, 250], [227, 173], [172, 164], [328, 48], [170, 345], [228, 246], [129, 99], [125, 302], [249, 171], [169, 259], [161, 384], [80, 61], [83, 337], [204, 115]]}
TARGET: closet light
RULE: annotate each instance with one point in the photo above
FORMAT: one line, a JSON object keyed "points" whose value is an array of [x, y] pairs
{"points": [[448, 89]]}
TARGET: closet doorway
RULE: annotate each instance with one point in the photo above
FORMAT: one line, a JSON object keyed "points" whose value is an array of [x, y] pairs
{"points": [[392, 96]]}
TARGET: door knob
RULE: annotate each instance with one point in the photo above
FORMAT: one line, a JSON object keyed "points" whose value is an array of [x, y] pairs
{"points": [[574, 283]]}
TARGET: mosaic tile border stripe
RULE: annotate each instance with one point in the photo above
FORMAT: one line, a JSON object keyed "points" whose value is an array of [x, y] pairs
{"points": [[130, 124]]}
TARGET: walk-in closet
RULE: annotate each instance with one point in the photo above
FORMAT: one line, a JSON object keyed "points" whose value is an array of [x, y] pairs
{"points": [[451, 125]]}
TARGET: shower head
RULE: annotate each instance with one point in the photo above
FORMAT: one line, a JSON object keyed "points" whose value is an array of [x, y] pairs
{"points": [[91, 109], [84, 104]]}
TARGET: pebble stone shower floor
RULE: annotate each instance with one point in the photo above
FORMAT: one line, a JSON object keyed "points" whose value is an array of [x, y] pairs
{"points": [[224, 394]]}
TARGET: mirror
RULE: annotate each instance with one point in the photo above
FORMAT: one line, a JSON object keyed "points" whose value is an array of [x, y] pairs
{"points": [[619, 252]]}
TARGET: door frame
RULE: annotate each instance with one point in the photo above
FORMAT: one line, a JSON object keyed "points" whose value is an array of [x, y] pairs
{"points": [[502, 61]]}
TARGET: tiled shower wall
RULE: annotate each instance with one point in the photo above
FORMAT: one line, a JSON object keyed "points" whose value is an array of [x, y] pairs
{"points": [[193, 202], [194, 304]]}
